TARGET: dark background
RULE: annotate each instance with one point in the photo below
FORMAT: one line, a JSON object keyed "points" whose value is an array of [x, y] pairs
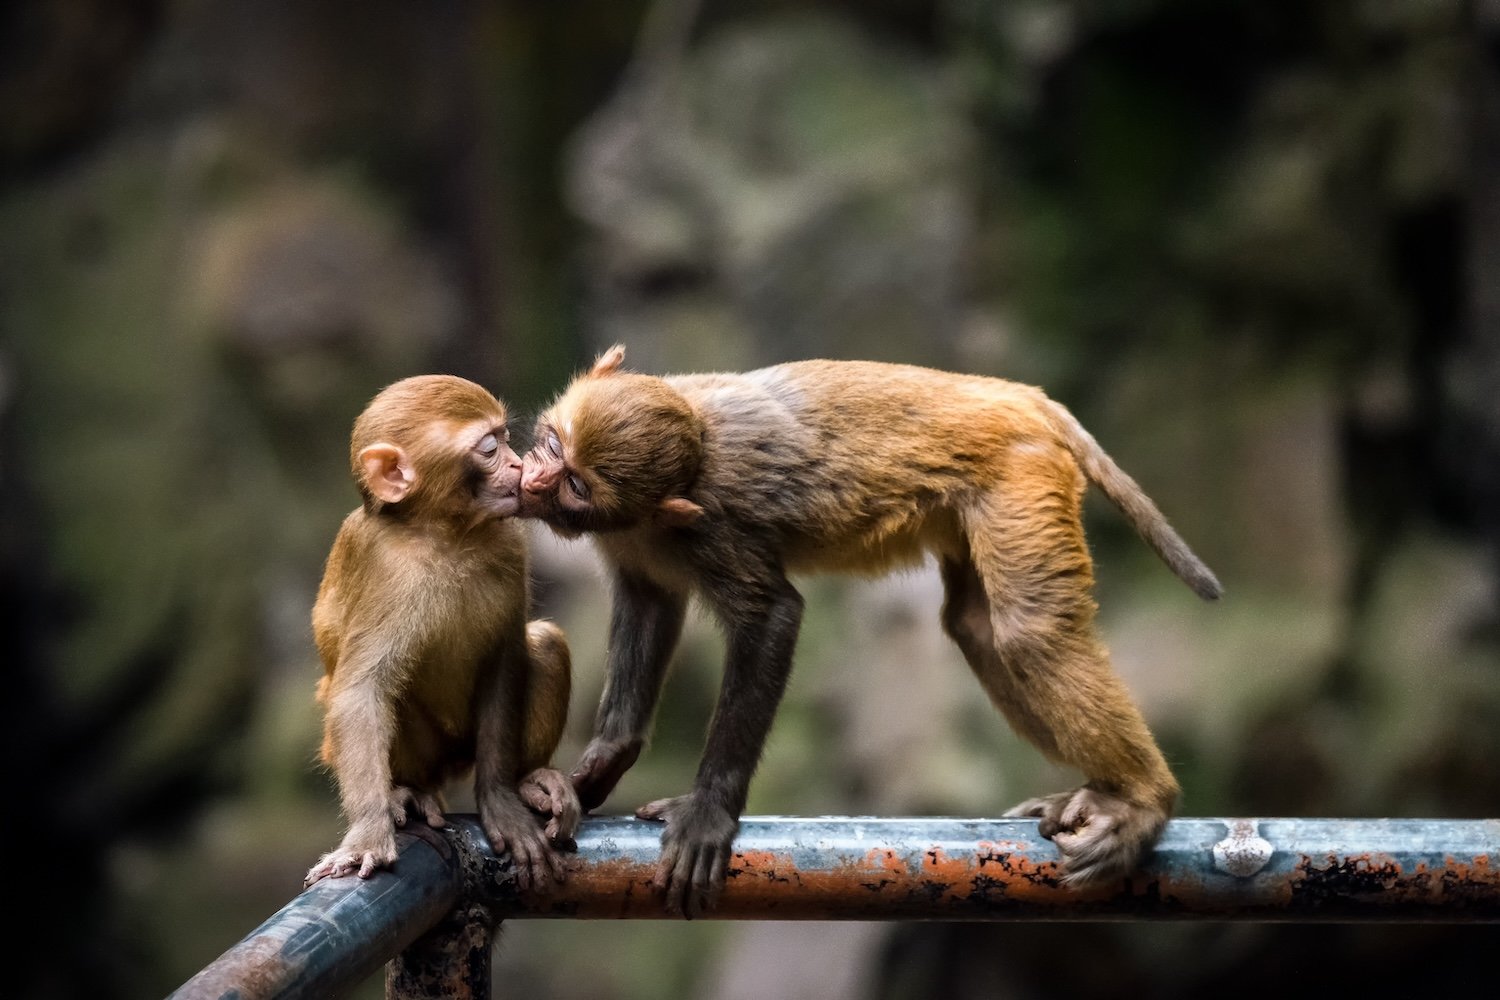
{"points": [[1252, 243]]}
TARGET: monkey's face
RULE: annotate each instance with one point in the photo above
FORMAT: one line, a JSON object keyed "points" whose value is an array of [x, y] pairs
{"points": [[436, 446], [553, 486], [608, 452], [491, 469]]}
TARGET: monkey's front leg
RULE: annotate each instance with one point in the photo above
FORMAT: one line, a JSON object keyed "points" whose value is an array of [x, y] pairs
{"points": [[645, 624], [702, 824], [361, 726], [371, 841]]}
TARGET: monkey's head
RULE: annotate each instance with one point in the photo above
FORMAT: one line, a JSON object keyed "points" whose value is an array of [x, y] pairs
{"points": [[614, 450], [435, 446]]}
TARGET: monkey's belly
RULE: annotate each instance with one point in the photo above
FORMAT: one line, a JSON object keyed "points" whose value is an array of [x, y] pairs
{"points": [[427, 750], [900, 541]]}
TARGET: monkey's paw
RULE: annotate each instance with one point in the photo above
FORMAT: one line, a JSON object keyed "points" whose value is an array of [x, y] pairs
{"points": [[549, 792], [695, 850], [599, 770], [353, 857], [403, 801], [1099, 835], [510, 826]]}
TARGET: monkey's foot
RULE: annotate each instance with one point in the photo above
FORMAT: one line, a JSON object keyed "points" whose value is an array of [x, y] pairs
{"points": [[549, 792], [403, 801], [695, 851], [510, 826], [599, 770], [1099, 835], [348, 859]]}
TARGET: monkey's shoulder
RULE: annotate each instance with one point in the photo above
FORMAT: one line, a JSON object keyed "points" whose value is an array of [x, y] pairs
{"points": [[756, 417]]}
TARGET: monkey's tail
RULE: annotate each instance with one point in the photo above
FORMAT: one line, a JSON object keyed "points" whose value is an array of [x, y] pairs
{"points": [[1138, 509]]}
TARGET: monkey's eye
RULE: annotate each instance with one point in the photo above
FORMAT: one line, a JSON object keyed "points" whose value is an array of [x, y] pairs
{"points": [[578, 486], [554, 445], [488, 445]]}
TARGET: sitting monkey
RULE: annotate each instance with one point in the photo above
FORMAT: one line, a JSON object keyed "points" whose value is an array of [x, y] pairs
{"points": [[430, 667], [720, 485]]}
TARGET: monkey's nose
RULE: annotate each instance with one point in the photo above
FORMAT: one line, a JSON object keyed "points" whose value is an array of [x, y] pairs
{"points": [[538, 480]]}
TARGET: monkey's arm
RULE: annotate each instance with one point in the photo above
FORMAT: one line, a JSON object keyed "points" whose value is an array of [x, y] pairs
{"points": [[360, 727], [645, 624], [702, 824], [498, 760]]}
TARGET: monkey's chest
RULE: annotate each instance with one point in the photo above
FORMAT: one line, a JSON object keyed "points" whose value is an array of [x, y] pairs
{"points": [[445, 682]]}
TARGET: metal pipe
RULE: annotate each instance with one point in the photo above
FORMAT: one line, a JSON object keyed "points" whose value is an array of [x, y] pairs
{"points": [[866, 868], [338, 932]]}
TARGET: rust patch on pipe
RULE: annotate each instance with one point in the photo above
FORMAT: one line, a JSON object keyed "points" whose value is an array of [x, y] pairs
{"points": [[1379, 880], [894, 872], [884, 883]]}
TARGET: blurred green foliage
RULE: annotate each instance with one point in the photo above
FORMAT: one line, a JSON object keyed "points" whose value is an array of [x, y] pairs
{"points": [[1252, 243]]}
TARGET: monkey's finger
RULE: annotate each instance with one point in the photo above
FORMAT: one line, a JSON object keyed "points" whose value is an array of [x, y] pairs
{"points": [[705, 885], [557, 865], [521, 865], [1076, 813], [662, 879], [1027, 809], [540, 860], [401, 800], [537, 798], [567, 812], [656, 811], [718, 875], [529, 858], [432, 811], [679, 882], [368, 864]]}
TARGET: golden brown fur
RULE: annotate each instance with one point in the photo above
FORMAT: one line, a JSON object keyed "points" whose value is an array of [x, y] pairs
{"points": [[430, 667], [720, 485]]}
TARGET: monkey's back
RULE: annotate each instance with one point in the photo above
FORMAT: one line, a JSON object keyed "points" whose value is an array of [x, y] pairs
{"points": [[859, 466]]}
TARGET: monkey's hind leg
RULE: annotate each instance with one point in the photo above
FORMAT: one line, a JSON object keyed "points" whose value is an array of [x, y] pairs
{"points": [[1019, 607], [548, 689]]}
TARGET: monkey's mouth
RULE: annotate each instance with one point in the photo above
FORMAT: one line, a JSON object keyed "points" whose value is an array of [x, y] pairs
{"points": [[506, 505]]}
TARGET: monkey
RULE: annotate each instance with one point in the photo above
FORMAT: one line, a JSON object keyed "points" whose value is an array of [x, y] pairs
{"points": [[719, 487], [430, 666]]}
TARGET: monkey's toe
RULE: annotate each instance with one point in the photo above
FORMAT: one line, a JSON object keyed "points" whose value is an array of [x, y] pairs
{"points": [[658, 811]]}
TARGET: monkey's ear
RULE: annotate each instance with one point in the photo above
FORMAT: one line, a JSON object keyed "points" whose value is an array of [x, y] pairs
{"points": [[678, 512], [609, 362], [387, 474]]}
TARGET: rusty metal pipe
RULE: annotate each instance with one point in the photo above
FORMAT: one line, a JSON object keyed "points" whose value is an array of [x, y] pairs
{"points": [[334, 935], [337, 933], [863, 868]]}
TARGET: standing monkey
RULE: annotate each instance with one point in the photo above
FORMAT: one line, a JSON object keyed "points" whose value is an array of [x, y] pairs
{"points": [[720, 485], [430, 667]]}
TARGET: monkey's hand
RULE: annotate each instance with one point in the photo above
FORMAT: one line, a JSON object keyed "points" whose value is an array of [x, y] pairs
{"points": [[549, 792], [366, 847], [599, 770], [695, 851], [403, 801], [510, 826], [1100, 836]]}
